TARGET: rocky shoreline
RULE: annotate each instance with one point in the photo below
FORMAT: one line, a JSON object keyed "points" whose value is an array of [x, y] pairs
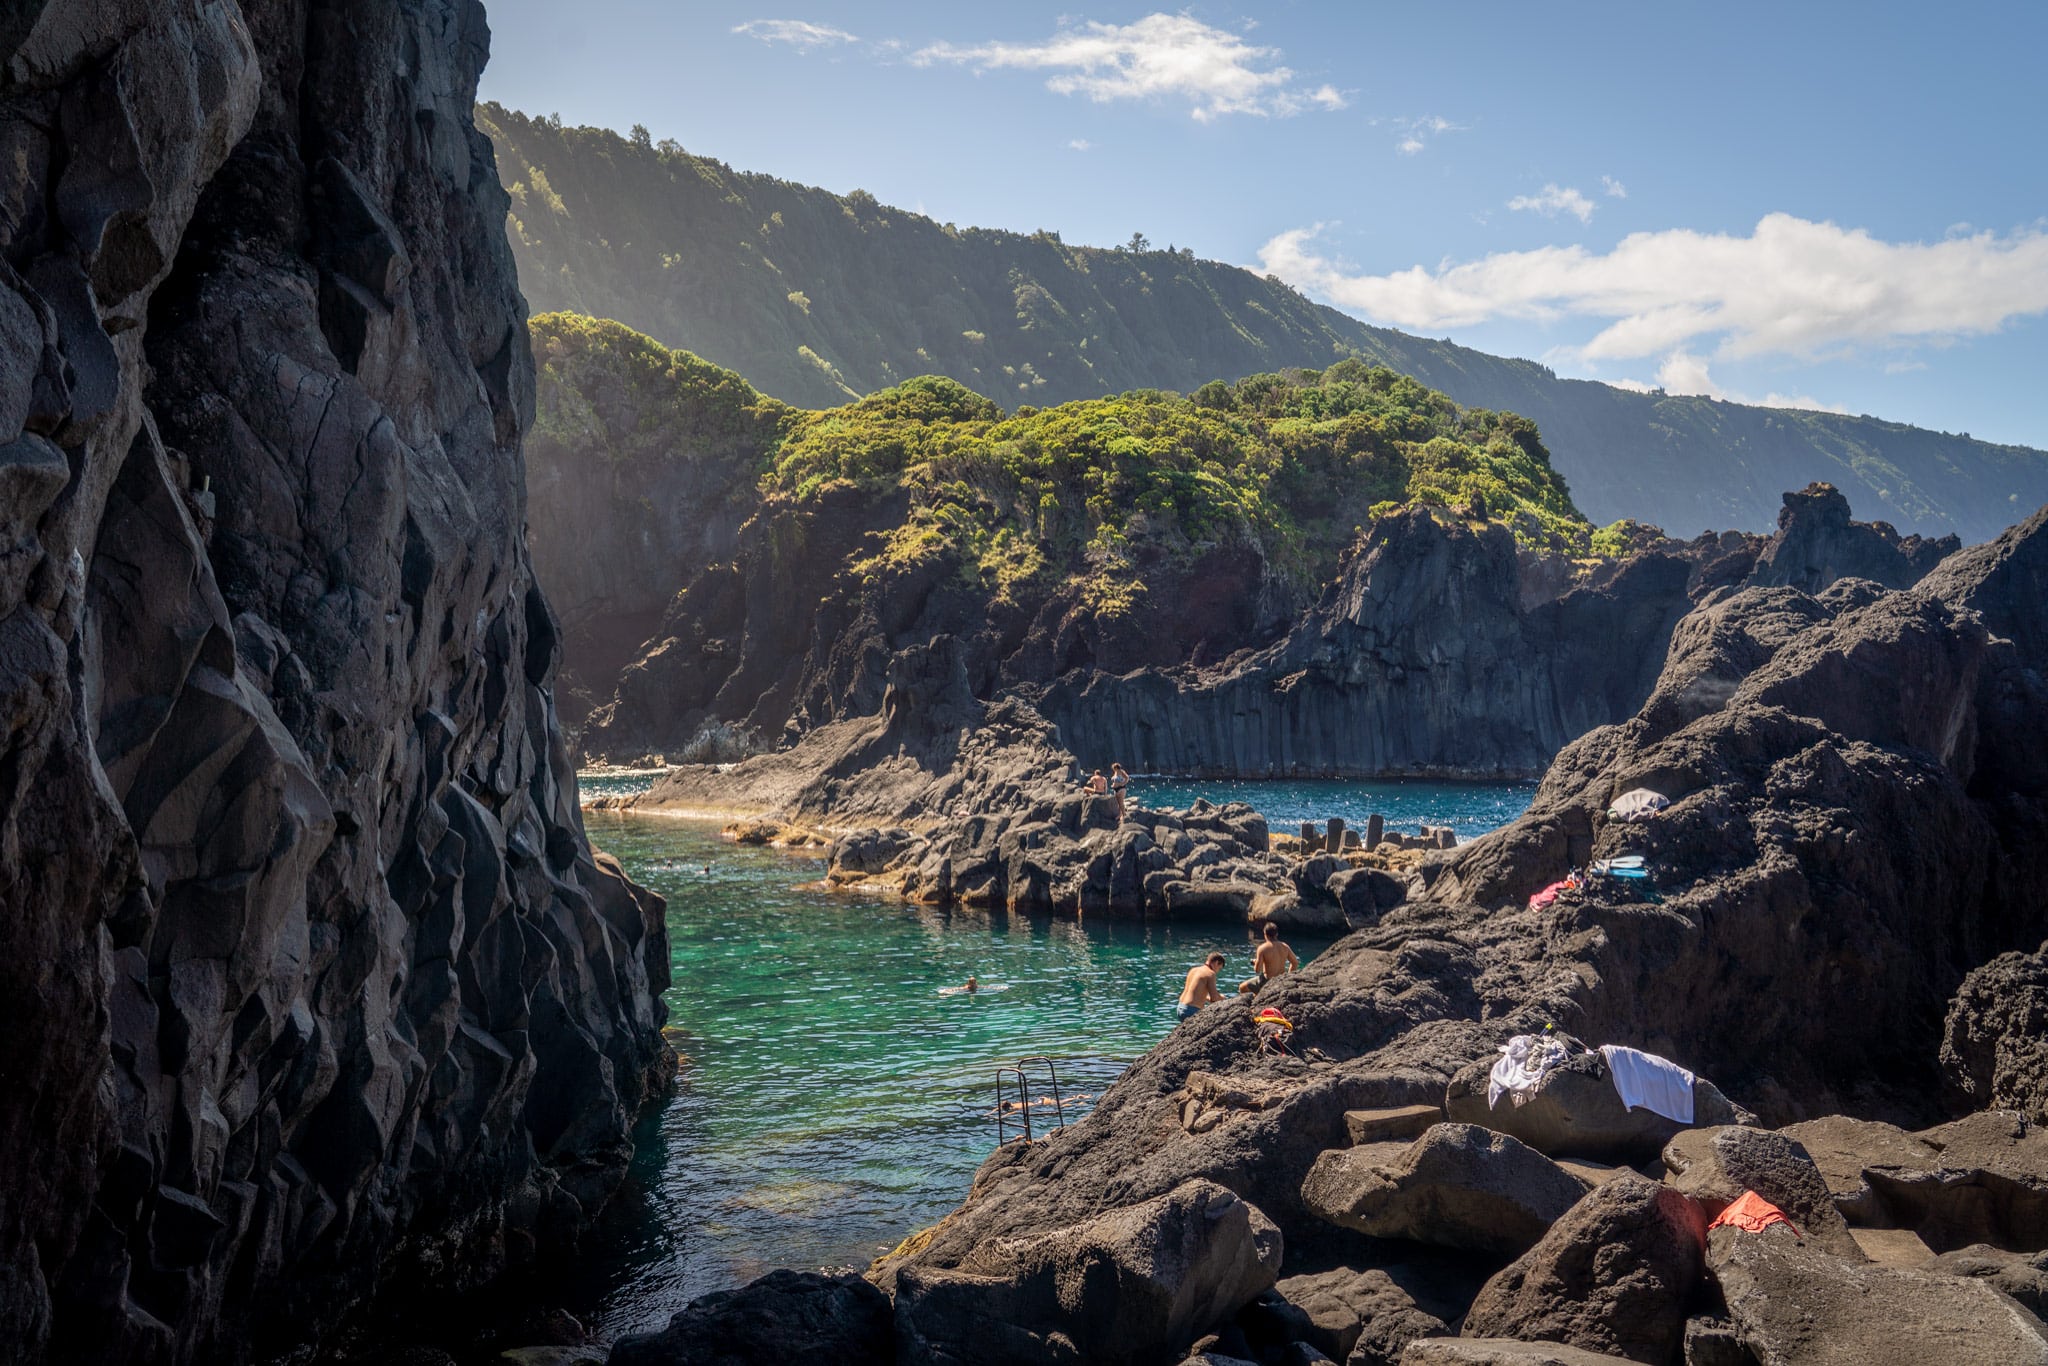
{"points": [[1840, 931]]}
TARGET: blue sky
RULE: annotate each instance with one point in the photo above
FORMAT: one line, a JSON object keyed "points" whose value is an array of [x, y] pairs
{"points": [[1843, 205]]}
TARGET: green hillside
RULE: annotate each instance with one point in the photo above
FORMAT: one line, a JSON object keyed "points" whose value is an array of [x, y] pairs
{"points": [[818, 298], [1291, 464]]}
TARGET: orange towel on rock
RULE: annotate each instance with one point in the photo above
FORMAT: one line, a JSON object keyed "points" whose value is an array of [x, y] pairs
{"points": [[1752, 1213]]}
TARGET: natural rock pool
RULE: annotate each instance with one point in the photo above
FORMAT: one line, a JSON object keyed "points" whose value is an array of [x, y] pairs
{"points": [[832, 1101]]}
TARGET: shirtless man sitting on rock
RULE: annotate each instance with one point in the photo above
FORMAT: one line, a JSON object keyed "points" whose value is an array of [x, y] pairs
{"points": [[1200, 988], [1273, 958]]}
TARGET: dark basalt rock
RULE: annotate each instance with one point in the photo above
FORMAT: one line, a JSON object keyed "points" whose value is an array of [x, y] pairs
{"points": [[1791, 1302], [1994, 1046], [1817, 544], [1841, 849], [1577, 1113], [1613, 1275], [1120, 1290], [1457, 1186], [783, 1318], [309, 979], [1716, 1166]]}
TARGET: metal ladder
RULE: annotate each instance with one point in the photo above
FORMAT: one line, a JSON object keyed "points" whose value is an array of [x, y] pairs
{"points": [[1021, 1073]]}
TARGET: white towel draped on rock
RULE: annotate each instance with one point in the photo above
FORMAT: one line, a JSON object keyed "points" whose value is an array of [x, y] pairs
{"points": [[1524, 1061], [1647, 1082]]}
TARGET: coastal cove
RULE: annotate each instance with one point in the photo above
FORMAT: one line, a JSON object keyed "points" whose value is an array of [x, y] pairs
{"points": [[831, 1101]]}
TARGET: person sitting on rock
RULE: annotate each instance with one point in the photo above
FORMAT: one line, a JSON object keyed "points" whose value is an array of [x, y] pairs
{"points": [[1200, 988], [1119, 783], [1273, 958], [1097, 784]]}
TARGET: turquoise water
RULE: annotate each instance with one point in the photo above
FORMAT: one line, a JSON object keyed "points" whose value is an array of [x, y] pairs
{"points": [[832, 1101], [1408, 804]]}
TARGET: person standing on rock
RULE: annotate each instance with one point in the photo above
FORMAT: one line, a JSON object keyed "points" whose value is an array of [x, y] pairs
{"points": [[1119, 784], [1273, 958], [1200, 988]]}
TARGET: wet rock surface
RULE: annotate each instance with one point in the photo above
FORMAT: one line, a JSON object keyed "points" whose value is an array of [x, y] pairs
{"points": [[310, 980]]}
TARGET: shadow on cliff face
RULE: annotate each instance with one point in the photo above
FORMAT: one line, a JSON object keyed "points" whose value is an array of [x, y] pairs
{"points": [[1438, 650], [309, 977]]}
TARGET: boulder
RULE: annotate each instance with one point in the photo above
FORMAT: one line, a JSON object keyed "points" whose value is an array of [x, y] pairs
{"points": [[1291, 911], [1366, 1318], [1990, 1185], [783, 1318], [1791, 1302], [1994, 1045], [1402, 1123], [1714, 1342], [1125, 1287], [1847, 1150], [1576, 1112], [2022, 1275], [1459, 1185], [1366, 893], [1715, 1166], [1613, 1275]]}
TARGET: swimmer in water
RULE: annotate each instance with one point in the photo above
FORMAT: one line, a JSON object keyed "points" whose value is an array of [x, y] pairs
{"points": [[972, 985]]}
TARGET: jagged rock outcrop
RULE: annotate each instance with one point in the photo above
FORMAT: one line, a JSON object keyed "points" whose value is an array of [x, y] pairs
{"points": [[1841, 849], [1420, 659], [1994, 1046], [308, 975], [1817, 544]]}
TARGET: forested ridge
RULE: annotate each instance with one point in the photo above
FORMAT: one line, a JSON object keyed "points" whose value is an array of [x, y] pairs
{"points": [[819, 298]]}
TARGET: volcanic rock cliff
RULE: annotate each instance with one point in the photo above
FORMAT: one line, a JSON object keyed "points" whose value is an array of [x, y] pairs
{"points": [[308, 976], [1857, 822]]}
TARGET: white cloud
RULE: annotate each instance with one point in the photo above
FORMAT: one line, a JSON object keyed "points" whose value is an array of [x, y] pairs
{"points": [[1416, 132], [1904, 367], [1162, 56], [1552, 200], [1613, 188], [1791, 287], [1079, 144], [797, 33], [1684, 373]]}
